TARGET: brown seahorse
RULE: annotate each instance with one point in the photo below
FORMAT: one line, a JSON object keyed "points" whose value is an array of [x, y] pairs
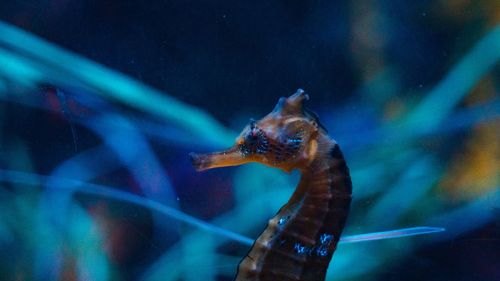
{"points": [[300, 240]]}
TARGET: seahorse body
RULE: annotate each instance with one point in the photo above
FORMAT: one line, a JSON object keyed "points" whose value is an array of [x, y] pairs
{"points": [[300, 240]]}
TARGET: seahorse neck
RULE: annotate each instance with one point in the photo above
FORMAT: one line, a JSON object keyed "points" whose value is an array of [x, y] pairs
{"points": [[322, 173], [318, 210], [301, 239]]}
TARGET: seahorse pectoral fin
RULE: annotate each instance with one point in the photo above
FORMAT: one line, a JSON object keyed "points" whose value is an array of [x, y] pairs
{"points": [[230, 157]]}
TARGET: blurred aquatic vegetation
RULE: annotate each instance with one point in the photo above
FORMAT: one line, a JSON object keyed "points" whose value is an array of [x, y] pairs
{"points": [[64, 223]]}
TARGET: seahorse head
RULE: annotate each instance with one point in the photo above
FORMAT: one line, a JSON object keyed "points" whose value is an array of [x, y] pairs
{"points": [[286, 138]]}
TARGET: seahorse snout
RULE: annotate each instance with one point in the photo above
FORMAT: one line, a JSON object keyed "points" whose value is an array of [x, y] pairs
{"points": [[200, 162]]}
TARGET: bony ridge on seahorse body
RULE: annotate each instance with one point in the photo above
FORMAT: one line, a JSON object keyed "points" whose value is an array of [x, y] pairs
{"points": [[300, 240]]}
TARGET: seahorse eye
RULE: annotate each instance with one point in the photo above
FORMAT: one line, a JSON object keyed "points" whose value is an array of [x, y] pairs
{"points": [[255, 141]]}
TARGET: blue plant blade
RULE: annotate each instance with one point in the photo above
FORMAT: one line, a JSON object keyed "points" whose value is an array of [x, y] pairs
{"points": [[67, 68], [107, 192], [391, 234]]}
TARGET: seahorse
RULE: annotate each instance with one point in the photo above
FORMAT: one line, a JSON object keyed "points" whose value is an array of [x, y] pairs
{"points": [[300, 240]]}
